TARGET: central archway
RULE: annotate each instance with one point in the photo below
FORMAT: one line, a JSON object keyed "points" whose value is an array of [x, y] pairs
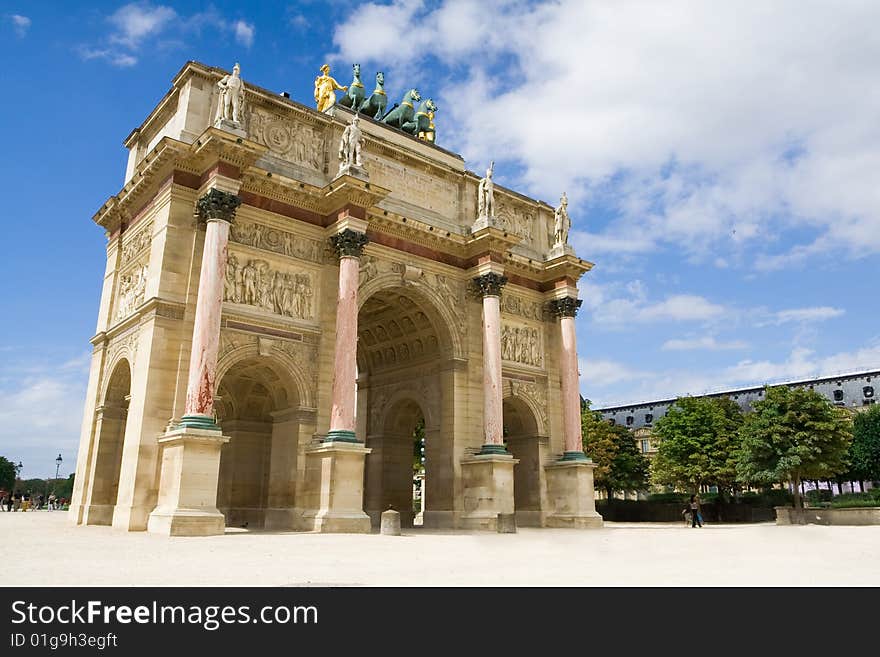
{"points": [[257, 406], [404, 345]]}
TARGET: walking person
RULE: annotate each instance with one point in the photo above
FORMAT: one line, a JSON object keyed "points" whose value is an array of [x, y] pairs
{"points": [[694, 506]]}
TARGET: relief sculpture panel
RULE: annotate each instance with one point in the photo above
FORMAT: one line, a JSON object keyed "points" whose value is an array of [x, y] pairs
{"points": [[271, 239], [522, 344], [288, 138], [254, 282]]}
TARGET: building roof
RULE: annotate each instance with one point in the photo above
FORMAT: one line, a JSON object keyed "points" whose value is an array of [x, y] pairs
{"points": [[839, 376]]}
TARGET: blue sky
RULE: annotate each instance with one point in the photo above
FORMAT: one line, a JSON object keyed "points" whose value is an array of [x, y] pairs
{"points": [[721, 163]]}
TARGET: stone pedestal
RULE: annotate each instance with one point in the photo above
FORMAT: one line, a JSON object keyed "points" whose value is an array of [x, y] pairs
{"points": [[390, 523], [571, 495], [188, 484], [334, 489], [231, 126], [354, 171], [484, 221], [559, 250], [487, 483]]}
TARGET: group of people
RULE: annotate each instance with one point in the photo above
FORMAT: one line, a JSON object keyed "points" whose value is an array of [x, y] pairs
{"points": [[691, 512], [10, 502]]}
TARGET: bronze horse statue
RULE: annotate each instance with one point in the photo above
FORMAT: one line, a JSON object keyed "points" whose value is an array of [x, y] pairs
{"points": [[354, 97], [374, 106]]}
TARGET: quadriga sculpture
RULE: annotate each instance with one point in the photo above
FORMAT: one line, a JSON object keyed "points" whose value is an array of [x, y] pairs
{"points": [[403, 113], [374, 106], [421, 121], [355, 94]]}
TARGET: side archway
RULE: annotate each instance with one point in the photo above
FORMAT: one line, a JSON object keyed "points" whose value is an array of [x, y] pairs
{"points": [[110, 423], [528, 445]]}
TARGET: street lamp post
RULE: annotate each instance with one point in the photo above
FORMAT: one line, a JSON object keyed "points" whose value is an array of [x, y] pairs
{"points": [[58, 465]]}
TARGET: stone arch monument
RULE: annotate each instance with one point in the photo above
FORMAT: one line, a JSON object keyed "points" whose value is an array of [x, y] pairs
{"points": [[273, 323]]}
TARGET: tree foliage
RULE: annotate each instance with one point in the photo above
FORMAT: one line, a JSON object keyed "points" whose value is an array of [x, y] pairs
{"points": [[793, 434], [698, 442], [619, 463], [864, 453], [7, 474]]}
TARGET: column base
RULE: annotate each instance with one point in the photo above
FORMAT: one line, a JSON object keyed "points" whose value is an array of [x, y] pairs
{"points": [[334, 489], [186, 522], [98, 514], [487, 482], [205, 422], [341, 436], [493, 449], [571, 495], [188, 484]]}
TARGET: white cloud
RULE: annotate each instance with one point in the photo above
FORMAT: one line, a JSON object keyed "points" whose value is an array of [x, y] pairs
{"points": [[21, 24], [137, 21], [708, 343], [814, 314], [665, 384], [717, 128], [244, 33], [608, 310], [41, 409], [120, 59]]}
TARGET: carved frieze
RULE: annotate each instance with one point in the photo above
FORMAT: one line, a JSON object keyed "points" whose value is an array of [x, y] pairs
{"points": [[513, 304], [517, 219], [134, 245], [257, 235], [287, 138], [414, 186], [130, 288], [522, 344], [534, 392], [256, 283], [304, 356]]}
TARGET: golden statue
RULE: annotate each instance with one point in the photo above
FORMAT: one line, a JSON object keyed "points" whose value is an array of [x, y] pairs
{"points": [[325, 88]]}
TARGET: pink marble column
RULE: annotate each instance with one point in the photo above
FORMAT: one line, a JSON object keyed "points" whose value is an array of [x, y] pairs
{"points": [[493, 417], [566, 309], [217, 208], [349, 245]]}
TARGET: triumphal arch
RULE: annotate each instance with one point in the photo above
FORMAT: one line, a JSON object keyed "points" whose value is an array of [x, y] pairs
{"points": [[289, 292]]}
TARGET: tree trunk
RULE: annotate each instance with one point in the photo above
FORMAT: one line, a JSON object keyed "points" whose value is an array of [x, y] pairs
{"points": [[798, 501], [861, 486]]}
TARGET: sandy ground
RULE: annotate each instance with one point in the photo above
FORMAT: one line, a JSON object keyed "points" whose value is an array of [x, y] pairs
{"points": [[43, 549]]}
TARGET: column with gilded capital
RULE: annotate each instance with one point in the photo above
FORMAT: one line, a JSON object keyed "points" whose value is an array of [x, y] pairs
{"points": [[487, 476], [217, 209], [570, 479], [566, 310], [489, 286], [349, 245], [187, 504], [333, 491]]}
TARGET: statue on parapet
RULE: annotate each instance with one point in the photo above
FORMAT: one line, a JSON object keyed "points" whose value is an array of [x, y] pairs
{"points": [[561, 223], [403, 113], [231, 104], [350, 147], [374, 106], [354, 97], [325, 89], [486, 195], [422, 119]]}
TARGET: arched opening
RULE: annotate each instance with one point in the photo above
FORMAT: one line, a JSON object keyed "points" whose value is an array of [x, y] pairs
{"points": [[391, 473], [256, 406], [403, 344], [524, 443], [110, 431]]}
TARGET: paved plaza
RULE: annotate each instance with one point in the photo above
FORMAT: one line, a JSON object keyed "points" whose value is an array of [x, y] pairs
{"points": [[44, 549]]}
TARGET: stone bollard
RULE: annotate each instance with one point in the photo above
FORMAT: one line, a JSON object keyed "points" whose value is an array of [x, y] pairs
{"points": [[390, 523], [507, 523]]}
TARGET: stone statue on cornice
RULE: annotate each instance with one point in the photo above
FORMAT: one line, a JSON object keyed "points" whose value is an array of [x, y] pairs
{"points": [[231, 97]]}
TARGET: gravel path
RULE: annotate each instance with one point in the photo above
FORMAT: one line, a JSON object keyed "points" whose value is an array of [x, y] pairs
{"points": [[43, 549]]}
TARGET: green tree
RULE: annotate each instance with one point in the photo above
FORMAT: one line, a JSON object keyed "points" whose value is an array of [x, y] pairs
{"points": [[793, 434], [864, 452], [619, 463], [7, 474], [698, 441]]}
